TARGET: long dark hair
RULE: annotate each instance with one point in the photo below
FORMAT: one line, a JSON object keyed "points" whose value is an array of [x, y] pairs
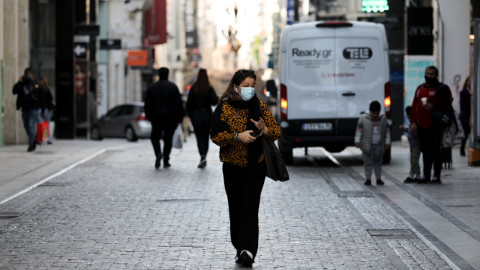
{"points": [[237, 79], [466, 82], [202, 84]]}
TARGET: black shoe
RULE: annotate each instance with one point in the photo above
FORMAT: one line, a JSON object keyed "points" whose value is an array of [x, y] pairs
{"points": [[166, 164], [436, 180], [203, 163], [425, 180], [368, 183], [380, 182], [157, 162], [245, 258], [31, 148], [410, 180]]}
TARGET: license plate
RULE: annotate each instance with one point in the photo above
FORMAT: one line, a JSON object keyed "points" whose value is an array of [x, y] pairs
{"points": [[317, 126]]}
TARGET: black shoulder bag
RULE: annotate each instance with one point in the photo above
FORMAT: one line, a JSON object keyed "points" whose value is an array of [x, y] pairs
{"points": [[276, 169]]}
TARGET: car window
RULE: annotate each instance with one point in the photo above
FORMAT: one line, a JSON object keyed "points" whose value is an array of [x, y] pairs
{"points": [[128, 110], [115, 112]]}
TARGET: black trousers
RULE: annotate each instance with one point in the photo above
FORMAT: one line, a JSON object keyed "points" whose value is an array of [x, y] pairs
{"points": [[466, 131], [431, 147], [167, 128], [243, 195], [201, 121]]}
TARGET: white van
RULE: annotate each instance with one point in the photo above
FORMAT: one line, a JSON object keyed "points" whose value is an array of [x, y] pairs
{"points": [[329, 74]]}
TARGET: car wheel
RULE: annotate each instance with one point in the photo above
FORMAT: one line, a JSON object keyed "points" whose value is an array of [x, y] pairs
{"points": [[130, 134], [95, 134], [286, 151]]}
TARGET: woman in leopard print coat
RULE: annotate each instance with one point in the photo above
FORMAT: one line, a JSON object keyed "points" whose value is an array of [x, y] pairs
{"points": [[238, 123]]}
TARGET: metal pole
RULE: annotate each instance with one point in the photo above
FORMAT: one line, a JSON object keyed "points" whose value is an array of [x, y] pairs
{"points": [[476, 86]]}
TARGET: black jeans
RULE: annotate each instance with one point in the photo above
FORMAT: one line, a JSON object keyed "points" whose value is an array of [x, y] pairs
{"points": [[243, 195], [431, 148], [201, 121], [160, 126]]}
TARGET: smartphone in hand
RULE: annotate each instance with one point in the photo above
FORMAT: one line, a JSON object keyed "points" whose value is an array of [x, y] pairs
{"points": [[256, 133]]}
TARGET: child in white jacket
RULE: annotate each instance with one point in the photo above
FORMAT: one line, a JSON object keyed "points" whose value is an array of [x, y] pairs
{"points": [[373, 137]]}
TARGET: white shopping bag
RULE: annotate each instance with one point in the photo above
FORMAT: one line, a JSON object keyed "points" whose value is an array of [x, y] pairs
{"points": [[177, 140]]}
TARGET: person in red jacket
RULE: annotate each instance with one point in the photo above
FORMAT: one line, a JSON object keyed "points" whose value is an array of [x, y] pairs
{"points": [[432, 98]]}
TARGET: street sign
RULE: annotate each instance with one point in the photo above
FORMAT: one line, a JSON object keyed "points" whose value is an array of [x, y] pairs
{"points": [[87, 29], [110, 44], [80, 46], [138, 58]]}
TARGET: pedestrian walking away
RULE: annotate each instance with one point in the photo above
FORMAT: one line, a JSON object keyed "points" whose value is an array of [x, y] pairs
{"points": [[163, 108], [415, 172], [431, 111], [372, 136], [30, 99], [238, 122], [199, 107], [465, 112]]}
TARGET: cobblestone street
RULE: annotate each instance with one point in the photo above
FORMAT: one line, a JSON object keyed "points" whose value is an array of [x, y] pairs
{"points": [[116, 211]]}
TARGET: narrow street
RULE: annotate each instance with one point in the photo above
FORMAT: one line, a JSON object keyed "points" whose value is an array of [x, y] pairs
{"points": [[115, 211]]}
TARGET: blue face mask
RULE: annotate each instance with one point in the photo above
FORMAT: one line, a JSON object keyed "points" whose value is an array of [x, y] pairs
{"points": [[247, 93]]}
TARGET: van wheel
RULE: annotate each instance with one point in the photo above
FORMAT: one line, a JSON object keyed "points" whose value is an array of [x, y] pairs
{"points": [[387, 156], [286, 151], [335, 149]]}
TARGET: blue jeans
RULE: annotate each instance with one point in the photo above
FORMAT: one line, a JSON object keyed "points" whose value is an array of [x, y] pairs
{"points": [[29, 118]]}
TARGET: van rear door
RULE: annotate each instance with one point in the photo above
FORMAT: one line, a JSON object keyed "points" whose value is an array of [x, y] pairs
{"points": [[309, 65], [360, 74]]}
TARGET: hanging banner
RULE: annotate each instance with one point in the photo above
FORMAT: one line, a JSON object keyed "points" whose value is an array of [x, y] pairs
{"points": [[191, 36], [156, 23], [290, 11], [420, 31]]}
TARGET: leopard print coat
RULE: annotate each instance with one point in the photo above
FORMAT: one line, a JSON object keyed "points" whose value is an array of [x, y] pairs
{"points": [[227, 120]]}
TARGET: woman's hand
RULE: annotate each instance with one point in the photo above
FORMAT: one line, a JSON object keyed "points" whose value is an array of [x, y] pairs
{"points": [[260, 124], [245, 137]]}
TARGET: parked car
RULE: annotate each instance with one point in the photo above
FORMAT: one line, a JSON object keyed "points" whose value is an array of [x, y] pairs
{"points": [[123, 121]]}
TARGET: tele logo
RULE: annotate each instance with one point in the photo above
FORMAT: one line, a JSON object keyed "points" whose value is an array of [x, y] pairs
{"points": [[357, 53]]}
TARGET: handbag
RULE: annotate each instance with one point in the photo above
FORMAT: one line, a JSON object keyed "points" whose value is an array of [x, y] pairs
{"points": [[177, 139], [276, 169]]}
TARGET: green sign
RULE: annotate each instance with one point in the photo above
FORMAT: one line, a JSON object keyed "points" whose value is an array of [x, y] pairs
{"points": [[374, 5]]}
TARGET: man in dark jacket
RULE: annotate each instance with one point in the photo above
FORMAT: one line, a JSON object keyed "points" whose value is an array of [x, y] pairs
{"points": [[31, 101], [432, 100], [163, 108]]}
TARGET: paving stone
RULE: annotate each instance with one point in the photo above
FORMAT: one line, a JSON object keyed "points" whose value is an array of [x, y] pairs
{"points": [[118, 212]]}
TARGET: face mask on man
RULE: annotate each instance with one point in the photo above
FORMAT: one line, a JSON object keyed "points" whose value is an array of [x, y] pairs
{"points": [[247, 93], [430, 80]]}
